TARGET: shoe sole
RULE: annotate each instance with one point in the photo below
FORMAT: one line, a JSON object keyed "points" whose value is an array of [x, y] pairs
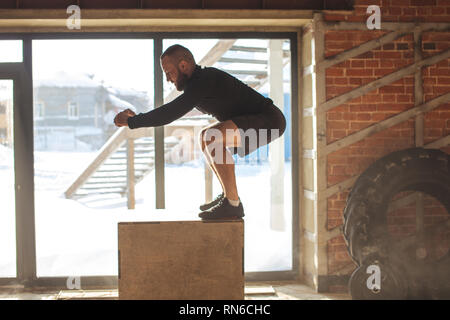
{"points": [[222, 218]]}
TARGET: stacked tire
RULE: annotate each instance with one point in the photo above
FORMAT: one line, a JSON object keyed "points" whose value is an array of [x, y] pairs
{"points": [[366, 229]]}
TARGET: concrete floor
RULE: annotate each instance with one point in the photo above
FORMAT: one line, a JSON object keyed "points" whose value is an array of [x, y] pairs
{"points": [[279, 290]]}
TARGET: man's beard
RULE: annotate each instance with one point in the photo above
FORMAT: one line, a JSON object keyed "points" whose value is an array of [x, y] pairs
{"points": [[181, 81]]}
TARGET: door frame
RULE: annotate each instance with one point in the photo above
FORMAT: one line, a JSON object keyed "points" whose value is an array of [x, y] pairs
{"points": [[20, 73]]}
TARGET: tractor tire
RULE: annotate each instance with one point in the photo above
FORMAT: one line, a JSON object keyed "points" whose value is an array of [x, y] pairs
{"points": [[365, 215]]}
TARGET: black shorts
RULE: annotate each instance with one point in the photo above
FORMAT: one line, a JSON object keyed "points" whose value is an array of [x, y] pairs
{"points": [[258, 129]]}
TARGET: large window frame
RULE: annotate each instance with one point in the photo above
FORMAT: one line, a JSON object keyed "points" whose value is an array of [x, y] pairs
{"points": [[21, 73]]}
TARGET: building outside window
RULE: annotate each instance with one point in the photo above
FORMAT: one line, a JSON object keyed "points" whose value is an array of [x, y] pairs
{"points": [[73, 112], [39, 110]]}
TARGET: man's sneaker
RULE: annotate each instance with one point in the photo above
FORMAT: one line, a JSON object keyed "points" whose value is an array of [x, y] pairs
{"points": [[211, 204], [223, 210]]}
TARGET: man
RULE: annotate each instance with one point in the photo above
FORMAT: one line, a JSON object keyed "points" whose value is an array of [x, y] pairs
{"points": [[237, 107]]}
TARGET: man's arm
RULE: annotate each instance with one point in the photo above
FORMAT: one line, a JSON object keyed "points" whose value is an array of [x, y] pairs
{"points": [[163, 115]]}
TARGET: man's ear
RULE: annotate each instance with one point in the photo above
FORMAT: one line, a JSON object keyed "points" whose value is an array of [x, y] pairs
{"points": [[183, 66]]}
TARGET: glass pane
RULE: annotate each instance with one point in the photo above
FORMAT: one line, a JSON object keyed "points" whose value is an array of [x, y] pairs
{"points": [[7, 194], [268, 207], [79, 87], [11, 51]]}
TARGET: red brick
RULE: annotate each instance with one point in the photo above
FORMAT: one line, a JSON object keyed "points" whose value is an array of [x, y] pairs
{"points": [[339, 45], [438, 11], [349, 116], [395, 10], [409, 11], [383, 71], [423, 2], [429, 81], [386, 63], [338, 124], [336, 160], [388, 46], [334, 116], [403, 98], [338, 170], [341, 81], [372, 63], [389, 98], [439, 90], [372, 98], [357, 63], [437, 19], [336, 36], [388, 55], [338, 134], [392, 89], [337, 72], [359, 72], [356, 81], [366, 55], [363, 116]]}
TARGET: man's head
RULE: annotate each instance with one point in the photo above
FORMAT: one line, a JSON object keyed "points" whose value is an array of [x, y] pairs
{"points": [[178, 64]]}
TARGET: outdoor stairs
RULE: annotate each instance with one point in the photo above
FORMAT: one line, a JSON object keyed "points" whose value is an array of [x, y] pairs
{"points": [[109, 172], [111, 176]]}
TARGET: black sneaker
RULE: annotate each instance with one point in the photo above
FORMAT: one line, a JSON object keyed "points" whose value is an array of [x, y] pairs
{"points": [[211, 204], [223, 210]]}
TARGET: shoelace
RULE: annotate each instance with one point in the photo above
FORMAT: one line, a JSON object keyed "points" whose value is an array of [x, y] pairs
{"points": [[220, 196], [219, 204]]}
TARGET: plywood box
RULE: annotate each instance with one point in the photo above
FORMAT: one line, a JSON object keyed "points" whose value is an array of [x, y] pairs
{"points": [[181, 260]]}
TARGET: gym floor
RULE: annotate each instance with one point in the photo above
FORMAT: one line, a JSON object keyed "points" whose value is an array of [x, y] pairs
{"points": [[279, 290]]}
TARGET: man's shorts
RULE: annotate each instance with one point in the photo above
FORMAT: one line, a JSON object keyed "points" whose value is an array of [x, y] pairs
{"points": [[259, 129]]}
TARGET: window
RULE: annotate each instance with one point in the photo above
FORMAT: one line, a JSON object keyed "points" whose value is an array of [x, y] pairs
{"points": [[84, 216], [73, 111], [7, 182], [268, 234], [85, 224], [11, 51], [39, 110]]}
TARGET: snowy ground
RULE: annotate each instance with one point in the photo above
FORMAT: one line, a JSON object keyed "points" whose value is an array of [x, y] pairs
{"points": [[80, 237]]}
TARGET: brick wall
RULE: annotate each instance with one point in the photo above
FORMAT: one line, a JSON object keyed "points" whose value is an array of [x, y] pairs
{"points": [[381, 104]]}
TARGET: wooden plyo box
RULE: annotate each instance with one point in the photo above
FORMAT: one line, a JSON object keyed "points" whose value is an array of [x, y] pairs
{"points": [[186, 260]]}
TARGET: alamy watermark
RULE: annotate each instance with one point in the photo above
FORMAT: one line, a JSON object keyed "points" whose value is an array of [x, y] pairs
{"points": [[374, 21], [74, 20], [374, 281], [73, 283]]}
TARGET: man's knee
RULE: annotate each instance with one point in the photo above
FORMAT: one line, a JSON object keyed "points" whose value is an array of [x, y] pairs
{"points": [[211, 135], [201, 139]]}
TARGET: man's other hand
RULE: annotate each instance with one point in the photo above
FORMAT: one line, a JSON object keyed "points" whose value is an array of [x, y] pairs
{"points": [[121, 119]]}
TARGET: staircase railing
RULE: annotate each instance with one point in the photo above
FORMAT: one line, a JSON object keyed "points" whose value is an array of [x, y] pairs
{"points": [[110, 147]]}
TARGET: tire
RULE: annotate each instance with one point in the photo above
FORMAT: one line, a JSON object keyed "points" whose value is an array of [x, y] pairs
{"points": [[365, 214]]}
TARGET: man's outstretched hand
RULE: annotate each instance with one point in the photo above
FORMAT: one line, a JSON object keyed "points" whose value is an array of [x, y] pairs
{"points": [[121, 119]]}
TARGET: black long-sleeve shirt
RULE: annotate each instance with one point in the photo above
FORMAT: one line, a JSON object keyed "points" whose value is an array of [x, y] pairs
{"points": [[211, 91]]}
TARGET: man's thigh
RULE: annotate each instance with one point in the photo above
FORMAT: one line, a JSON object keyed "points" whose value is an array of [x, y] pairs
{"points": [[225, 133], [259, 129]]}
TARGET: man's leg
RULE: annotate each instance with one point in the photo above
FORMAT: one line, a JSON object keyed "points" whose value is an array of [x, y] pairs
{"points": [[208, 158], [218, 139]]}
